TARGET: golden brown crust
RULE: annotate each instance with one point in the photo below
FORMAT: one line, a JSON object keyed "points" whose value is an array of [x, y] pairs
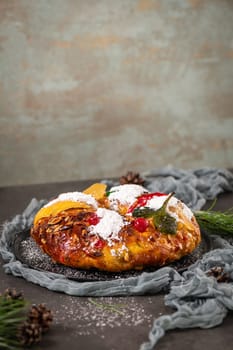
{"points": [[66, 238]]}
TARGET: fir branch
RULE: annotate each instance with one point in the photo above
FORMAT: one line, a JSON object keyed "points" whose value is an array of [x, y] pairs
{"points": [[215, 222], [19, 325]]}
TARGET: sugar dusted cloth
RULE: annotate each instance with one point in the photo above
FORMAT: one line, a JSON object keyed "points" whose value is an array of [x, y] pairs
{"points": [[198, 300]]}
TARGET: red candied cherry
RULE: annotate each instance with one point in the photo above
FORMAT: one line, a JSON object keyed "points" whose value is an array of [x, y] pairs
{"points": [[140, 224], [93, 219], [99, 244]]}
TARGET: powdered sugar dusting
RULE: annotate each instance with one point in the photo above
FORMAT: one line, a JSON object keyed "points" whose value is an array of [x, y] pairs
{"points": [[119, 251], [125, 194], [94, 316], [187, 212], [74, 197], [109, 225], [157, 201]]}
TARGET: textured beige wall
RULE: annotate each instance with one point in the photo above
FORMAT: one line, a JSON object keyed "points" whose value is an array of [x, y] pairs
{"points": [[95, 88]]}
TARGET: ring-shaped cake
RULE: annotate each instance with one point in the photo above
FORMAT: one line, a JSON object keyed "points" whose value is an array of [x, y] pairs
{"points": [[125, 228]]}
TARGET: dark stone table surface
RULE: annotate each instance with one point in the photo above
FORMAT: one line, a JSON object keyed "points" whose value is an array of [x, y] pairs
{"points": [[119, 323]]}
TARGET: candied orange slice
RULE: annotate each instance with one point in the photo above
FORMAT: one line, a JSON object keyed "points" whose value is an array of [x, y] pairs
{"points": [[96, 190], [57, 207]]}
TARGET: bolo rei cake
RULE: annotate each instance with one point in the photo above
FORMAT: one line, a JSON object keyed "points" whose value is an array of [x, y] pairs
{"points": [[125, 228]]}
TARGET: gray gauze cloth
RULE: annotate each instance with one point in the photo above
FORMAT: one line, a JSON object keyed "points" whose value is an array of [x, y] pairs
{"points": [[197, 298]]}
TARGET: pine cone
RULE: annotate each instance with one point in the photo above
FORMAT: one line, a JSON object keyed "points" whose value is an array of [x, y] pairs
{"points": [[29, 333], [13, 294], [218, 273], [131, 178], [41, 315]]}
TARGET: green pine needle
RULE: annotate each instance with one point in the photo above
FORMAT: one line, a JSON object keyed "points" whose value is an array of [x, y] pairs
{"points": [[215, 222], [109, 307], [12, 315]]}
